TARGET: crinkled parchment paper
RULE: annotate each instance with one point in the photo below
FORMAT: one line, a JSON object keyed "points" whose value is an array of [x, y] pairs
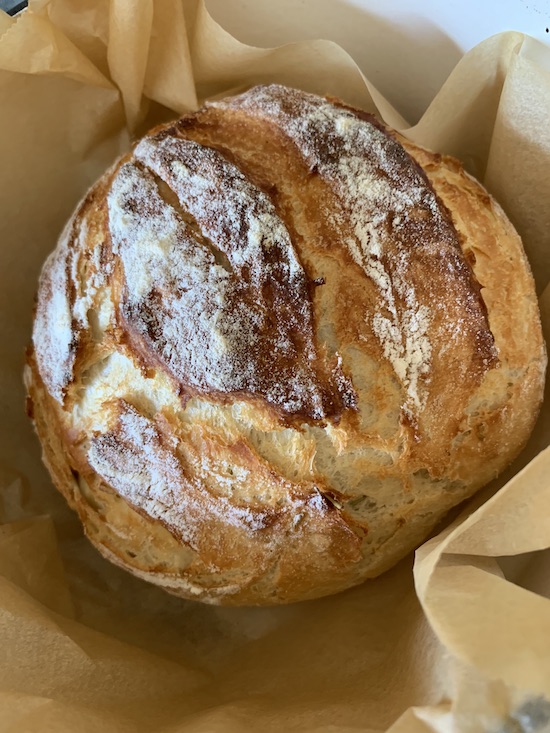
{"points": [[456, 639]]}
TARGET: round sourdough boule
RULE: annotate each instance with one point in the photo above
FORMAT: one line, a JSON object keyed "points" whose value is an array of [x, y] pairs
{"points": [[276, 343]]}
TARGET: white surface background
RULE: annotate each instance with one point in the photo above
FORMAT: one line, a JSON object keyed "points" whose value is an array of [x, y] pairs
{"points": [[420, 41]]}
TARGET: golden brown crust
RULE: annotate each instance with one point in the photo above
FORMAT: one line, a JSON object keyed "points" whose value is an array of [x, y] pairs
{"points": [[276, 343], [493, 247]]}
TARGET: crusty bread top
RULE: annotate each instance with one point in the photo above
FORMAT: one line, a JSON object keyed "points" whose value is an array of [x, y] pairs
{"points": [[260, 310], [233, 283]]}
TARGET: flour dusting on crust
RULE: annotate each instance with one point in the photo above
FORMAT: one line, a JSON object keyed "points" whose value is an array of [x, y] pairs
{"points": [[213, 287], [54, 335], [379, 189], [144, 468]]}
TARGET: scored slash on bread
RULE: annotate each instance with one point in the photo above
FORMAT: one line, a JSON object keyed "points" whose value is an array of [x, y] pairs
{"points": [[277, 342]]}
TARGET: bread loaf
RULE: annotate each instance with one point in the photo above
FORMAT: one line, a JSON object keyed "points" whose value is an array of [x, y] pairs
{"points": [[275, 344]]}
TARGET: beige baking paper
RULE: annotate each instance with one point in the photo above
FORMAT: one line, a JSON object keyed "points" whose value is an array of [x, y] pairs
{"points": [[456, 640]]}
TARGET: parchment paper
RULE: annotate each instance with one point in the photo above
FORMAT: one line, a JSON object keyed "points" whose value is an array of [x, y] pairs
{"points": [[457, 639]]}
